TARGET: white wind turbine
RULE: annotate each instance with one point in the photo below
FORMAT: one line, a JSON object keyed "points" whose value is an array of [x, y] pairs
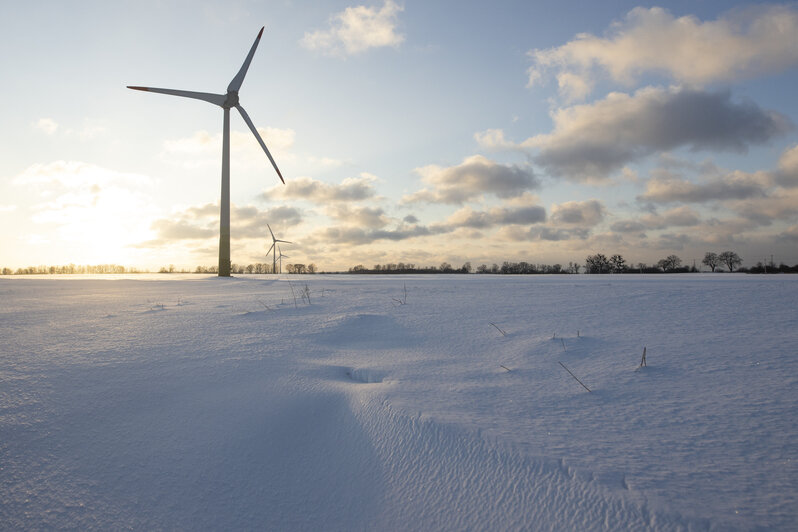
{"points": [[280, 257], [274, 248], [226, 102]]}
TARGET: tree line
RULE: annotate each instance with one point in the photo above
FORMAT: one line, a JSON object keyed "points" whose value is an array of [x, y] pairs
{"points": [[117, 269], [594, 264], [70, 269]]}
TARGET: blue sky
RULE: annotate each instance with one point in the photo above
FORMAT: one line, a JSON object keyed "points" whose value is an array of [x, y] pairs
{"points": [[418, 132]]}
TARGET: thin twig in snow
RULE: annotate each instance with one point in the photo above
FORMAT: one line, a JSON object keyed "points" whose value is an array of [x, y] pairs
{"points": [[574, 376], [497, 328]]}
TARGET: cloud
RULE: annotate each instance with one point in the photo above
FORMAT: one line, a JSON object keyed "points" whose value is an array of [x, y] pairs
{"points": [[543, 233], [370, 217], [73, 174], [781, 204], [740, 44], [171, 230], [356, 29], [475, 176], [204, 149], [787, 173], [48, 125], [790, 234], [735, 186], [7, 208], [682, 216], [581, 213], [628, 226], [760, 197], [201, 222], [589, 142], [308, 189], [359, 236], [468, 217]]}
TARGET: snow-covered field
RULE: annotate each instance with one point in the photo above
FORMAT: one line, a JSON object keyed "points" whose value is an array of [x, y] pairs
{"points": [[192, 402]]}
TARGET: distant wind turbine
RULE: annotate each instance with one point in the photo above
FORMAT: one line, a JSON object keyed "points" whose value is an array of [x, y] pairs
{"points": [[226, 102], [274, 249], [281, 257]]}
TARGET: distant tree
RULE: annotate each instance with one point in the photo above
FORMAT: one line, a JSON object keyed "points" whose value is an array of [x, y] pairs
{"points": [[669, 263], [482, 268], [250, 268], [312, 268], [730, 259], [711, 259], [466, 267], [618, 264], [597, 263], [445, 267], [357, 269], [574, 267]]}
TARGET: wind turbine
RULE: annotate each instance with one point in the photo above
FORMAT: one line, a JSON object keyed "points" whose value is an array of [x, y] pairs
{"points": [[226, 102], [281, 257], [274, 247]]}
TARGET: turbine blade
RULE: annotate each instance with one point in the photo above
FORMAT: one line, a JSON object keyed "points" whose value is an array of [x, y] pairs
{"points": [[270, 249], [235, 85], [270, 231], [284, 241], [216, 99], [245, 116]]}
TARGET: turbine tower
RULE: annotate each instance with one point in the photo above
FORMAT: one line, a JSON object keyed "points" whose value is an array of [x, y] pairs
{"points": [[226, 102], [274, 247]]}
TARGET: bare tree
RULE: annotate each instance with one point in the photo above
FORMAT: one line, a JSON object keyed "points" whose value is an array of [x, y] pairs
{"points": [[618, 263], [711, 259], [597, 263], [669, 263], [730, 259]]}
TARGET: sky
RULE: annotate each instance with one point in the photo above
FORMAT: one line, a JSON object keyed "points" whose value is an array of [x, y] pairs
{"points": [[415, 132]]}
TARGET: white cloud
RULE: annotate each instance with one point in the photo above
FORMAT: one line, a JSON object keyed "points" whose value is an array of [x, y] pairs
{"points": [[356, 29], [520, 215], [305, 188], [738, 45], [368, 217], [73, 174], [7, 208], [735, 186], [475, 176], [204, 149], [48, 125], [579, 213], [201, 222]]}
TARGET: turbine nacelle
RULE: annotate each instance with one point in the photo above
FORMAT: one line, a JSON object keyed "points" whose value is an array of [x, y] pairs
{"points": [[231, 100]]}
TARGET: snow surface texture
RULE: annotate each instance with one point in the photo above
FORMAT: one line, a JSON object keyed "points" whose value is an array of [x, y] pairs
{"points": [[188, 402]]}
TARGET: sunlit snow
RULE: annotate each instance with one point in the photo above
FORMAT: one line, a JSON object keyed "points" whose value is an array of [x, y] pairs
{"points": [[334, 403]]}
